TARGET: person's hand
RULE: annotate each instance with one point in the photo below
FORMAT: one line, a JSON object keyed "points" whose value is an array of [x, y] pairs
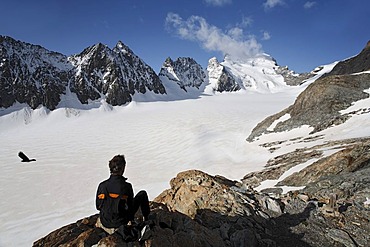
{"points": [[129, 223]]}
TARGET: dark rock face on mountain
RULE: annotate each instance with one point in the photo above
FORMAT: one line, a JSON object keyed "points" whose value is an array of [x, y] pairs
{"points": [[291, 78], [185, 72], [356, 64], [118, 74], [221, 79], [320, 104], [33, 75]]}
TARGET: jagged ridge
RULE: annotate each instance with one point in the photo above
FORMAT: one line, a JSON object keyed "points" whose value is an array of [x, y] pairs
{"points": [[33, 75]]}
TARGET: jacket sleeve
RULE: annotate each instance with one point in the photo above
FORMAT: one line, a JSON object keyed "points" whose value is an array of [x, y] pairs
{"points": [[100, 197]]}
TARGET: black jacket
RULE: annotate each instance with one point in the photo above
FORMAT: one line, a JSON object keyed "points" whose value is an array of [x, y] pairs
{"points": [[114, 199]]}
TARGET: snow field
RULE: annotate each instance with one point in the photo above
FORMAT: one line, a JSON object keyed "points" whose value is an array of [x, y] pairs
{"points": [[159, 139]]}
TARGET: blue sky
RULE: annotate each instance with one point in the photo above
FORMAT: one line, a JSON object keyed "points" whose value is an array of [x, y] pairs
{"points": [[299, 33]]}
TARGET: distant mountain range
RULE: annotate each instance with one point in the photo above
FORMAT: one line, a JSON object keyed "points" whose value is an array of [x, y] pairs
{"points": [[36, 76]]}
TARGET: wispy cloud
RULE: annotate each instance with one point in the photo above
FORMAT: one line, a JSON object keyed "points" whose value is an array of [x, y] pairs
{"points": [[269, 4], [309, 5], [246, 22], [232, 42], [218, 2], [266, 35]]}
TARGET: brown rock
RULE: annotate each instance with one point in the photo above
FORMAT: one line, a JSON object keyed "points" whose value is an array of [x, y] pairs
{"points": [[194, 190]]}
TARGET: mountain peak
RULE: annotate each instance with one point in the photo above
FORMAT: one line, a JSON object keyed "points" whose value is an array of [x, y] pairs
{"points": [[184, 71], [355, 64], [123, 48], [168, 62]]}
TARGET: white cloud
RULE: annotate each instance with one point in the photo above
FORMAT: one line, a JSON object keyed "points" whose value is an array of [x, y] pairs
{"points": [[266, 35], [217, 2], [246, 22], [233, 42], [269, 4], [235, 33], [309, 5]]}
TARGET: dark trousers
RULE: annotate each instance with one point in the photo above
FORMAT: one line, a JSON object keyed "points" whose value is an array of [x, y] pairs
{"points": [[141, 200]]}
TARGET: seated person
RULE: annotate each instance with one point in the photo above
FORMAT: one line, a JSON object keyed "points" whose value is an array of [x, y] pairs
{"points": [[115, 199]]}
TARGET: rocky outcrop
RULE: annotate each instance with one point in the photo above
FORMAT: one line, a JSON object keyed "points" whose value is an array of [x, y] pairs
{"points": [[338, 183], [33, 75], [185, 72], [319, 105], [204, 210], [349, 155], [291, 78], [198, 210], [356, 64], [194, 190]]}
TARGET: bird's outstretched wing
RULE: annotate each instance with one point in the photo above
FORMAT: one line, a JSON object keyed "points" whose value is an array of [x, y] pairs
{"points": [[23, 157]]}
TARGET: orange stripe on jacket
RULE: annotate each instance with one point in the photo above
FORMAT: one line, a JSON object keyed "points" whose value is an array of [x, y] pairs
{"points": [[113, 195], [101, 196]]}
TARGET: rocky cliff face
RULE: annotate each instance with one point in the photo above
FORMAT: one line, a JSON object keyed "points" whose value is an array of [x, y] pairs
{"points": [[33, 75], [114, 73], [356, 64], [185, 72], [290, 77], [338, 183]]}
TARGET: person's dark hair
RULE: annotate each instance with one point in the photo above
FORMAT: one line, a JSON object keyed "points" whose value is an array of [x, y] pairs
{"points": [[117, 164]]}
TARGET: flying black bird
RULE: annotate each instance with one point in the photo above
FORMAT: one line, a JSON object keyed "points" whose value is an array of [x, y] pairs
{"points": [[24, 157]]}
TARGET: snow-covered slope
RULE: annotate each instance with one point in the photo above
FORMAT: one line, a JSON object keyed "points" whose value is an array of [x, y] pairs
{"points": [[256, 74], [159, 139], [259, 74]]}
